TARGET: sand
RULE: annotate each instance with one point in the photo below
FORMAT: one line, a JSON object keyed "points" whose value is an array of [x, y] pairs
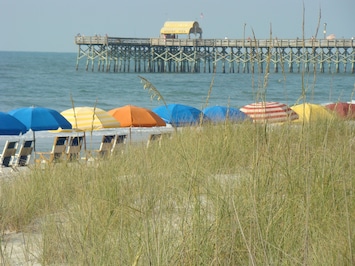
{"points": [[15, 249]]}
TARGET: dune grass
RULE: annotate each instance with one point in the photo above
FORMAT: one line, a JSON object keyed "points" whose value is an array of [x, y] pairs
{"points": [[218, 195]]}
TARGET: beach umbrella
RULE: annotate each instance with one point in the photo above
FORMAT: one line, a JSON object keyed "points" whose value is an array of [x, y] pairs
{"points": [[9, 125], [179, 114], [40, 119], [269, 112], [134, 116], [222, 113], [86, 118], [343, 109], [89, 118], [309, 112]]}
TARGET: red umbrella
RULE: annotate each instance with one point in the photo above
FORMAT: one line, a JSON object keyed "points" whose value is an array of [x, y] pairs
{"points": [[343, 109], [270, 112]]}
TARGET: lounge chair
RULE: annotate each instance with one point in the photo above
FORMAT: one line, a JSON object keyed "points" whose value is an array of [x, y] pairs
{"points": [[110, 144], [74, 148], [119, 143], [121, 139], [22, 158], [157, 137], [58, 150], [8, 154], [106, 146]]}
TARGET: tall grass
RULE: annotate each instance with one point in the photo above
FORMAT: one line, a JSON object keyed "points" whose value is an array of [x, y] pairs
{"points": [[222, 195], [227, 194]]}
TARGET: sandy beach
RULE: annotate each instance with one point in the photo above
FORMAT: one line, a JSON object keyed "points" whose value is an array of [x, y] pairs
{"points": [[14, 245], [15, 249]]}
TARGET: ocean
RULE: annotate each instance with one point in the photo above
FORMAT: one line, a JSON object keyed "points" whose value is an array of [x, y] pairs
{"points": [[51, 80]]}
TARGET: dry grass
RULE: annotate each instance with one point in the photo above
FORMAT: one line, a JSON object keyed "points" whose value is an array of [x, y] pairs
{"points": [[221, 195]]}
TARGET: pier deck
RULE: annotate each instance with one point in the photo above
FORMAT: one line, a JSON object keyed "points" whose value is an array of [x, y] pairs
{"points": [[209, 55]]}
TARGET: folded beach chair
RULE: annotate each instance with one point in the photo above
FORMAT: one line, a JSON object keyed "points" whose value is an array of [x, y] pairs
{"points": [[22, 158], [8, 153], [58, 151], [74, 148]]}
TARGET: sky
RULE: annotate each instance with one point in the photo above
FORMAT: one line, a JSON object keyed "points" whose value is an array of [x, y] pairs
{"points": [[50, 26]]}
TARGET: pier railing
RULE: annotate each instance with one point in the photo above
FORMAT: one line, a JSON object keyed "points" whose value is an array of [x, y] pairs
{"points": [[187, 55], [289, 43], [293, 43]]}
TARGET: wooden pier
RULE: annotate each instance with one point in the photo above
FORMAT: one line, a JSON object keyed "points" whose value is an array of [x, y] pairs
{"points": [[114, 54]]}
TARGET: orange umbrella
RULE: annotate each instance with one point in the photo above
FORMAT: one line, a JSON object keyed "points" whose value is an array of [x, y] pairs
{"points": [[343, 109], [133, 116]]}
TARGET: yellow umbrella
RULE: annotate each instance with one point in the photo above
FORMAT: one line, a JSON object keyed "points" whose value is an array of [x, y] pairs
{"points": [[308, 112], [89, 118]]}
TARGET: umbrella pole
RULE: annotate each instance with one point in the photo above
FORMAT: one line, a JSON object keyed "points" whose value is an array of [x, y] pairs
{"points": [[86, 155], [85, 141], [34, 143], [130, 135]]}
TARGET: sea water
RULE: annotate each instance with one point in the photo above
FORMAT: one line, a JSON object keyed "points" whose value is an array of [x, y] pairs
{"points": [[51, 80]]}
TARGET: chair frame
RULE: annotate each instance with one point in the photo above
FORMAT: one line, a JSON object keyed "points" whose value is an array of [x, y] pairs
{"points": [[74, 147], [8, 155], [58, 151], [23, 156], [157, 137], [120, 140], [109, 144]]}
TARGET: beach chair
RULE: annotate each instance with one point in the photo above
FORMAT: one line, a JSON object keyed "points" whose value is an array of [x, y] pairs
{"points": [[58, 150], [74, 148], [22, 158], [110, 144], [8, 153], [120, 141], [106, 146], [157, 137]]}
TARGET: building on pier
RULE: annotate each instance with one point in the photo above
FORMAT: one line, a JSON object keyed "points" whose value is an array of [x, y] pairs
{"points": [[197, 55], [172, 29]]}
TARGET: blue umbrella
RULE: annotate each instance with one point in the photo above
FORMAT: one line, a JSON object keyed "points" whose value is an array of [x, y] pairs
{"points": [[222, 113], [179, 114], [40, 118], [9, 125]]}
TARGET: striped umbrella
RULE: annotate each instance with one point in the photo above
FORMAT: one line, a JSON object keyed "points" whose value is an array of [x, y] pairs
{"points": [[269, 112], [89, 118]]}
